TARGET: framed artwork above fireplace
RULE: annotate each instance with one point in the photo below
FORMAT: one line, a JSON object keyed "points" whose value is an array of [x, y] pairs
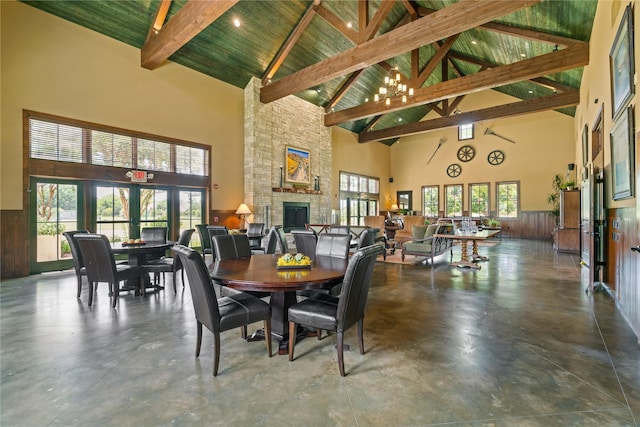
{"points": [[298, 166]]}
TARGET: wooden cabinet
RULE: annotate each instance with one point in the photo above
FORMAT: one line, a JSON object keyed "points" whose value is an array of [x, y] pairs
{"points": [[566, 238]]}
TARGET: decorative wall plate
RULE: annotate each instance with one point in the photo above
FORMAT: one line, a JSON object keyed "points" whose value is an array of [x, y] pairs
{"points": [[466, 153], [454, 170], [495, 157]]}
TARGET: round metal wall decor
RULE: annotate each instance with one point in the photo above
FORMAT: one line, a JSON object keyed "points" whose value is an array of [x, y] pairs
{"points": [[454, 170], [466, 153], [495, 157]]}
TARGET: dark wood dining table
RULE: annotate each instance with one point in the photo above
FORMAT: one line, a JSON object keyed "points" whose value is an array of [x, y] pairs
{"points": [[260, 273], [137, 255]]}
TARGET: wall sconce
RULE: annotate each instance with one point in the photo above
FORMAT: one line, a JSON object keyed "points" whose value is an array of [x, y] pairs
{"points": [[243, 210]]}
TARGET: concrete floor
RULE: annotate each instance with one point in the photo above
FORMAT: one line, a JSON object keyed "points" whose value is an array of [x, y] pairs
{"points": [[517, 343]]}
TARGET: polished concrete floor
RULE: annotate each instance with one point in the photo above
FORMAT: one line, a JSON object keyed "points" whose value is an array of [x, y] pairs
{"points": [[517, 343]]}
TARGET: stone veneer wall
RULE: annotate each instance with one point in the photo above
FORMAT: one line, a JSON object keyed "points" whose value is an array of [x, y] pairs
{"points": [[268, 128]]}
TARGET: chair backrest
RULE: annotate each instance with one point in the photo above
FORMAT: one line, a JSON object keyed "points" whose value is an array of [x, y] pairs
{"points": [[203, 295], [355, 287], [272, 241], [282, 239], [339, 229], [255, 229], [185, 237], [215, 230], [306, 242], [205, 240], [228, 246], [154, 234], [98, 258], [367, 237], [333, 245], [78, 262]]}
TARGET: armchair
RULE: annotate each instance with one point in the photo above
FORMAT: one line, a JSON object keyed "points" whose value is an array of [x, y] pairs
{"points": [[424, 243]]}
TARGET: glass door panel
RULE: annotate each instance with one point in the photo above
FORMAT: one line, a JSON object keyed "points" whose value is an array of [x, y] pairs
{"points": [[112, 211], [190, 213]]}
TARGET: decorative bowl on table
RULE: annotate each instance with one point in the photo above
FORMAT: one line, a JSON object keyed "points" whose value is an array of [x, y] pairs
{"points": [[132, 242], [292, 262]]}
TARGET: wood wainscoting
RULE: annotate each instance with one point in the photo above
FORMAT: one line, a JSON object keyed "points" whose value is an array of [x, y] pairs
{"points": [[15, 244], [530, 225]]}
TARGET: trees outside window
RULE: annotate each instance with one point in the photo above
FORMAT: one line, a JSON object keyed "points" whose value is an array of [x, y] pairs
{"points": [[508, 199], [479, 200], [431, 200], [453, 200]]}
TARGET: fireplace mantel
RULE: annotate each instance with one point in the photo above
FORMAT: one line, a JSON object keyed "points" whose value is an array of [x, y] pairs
{"points": [[295, 190]]}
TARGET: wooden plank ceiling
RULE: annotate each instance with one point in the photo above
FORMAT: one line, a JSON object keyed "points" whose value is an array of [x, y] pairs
{"points": [[336, 53]]}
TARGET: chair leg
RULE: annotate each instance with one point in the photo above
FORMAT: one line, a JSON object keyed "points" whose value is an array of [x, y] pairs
{"points": [[216, 353], [198, 338], [292, 339], [267, 335], [319, 333], [116, 293], [361, 335], [340, 353], [79, 285], [174, 282], [90, 293], [243, 332]]}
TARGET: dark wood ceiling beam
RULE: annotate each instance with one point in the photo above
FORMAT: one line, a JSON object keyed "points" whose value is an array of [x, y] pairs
{"points": [[553, 62], [378, 19], [291, 41], [436, 59], [338, 24], [439, 25], [159, 18], [372, 123], [550, 84], [343, 90], [551, 102], [363, 20], [538, 36], [192, 18]]}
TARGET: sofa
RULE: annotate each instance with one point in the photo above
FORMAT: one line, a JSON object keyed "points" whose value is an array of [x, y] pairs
{"points": [[423, 242], [408, 221]]}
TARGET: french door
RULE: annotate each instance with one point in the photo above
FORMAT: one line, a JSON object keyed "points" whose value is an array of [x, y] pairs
{"points": [[56, 207]]}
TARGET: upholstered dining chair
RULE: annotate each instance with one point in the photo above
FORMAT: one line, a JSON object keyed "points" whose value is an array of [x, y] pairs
{"points": [[334, 245], [339, 229], [215, 230], [255, 232], [219, 314], [78, 262], [367, 237], [340, 313], [172, 264], [282, 239], [154, 234], [101, 266], [205, 240], [306, 242]]}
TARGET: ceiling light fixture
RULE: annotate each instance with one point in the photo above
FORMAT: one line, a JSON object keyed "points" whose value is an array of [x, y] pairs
{"points": [[393, 89], [236, 23]]}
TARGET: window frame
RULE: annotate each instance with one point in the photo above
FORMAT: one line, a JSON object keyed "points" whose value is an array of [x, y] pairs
{"points": [[471, 199], [351, 196], [446, 209], [518, 199], [424, 205], [465, 128]]}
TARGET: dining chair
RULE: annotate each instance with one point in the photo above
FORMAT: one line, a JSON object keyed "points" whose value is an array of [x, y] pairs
{"points": [[101, 266], [219, 314], [338, 314], [306, 242], [205, 240], [282, 239], [339, 229], [255, 232], [78, 262], [230, 246], [215, 230], [171, 264], [367, 237], [154, 234], [334, 245]]}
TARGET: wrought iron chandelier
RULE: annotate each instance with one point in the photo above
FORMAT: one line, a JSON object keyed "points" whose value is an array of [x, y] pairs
{"points": [[393, 89]]}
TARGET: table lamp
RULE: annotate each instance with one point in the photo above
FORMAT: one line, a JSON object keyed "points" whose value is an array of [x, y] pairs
{"points": [[243, 210]]}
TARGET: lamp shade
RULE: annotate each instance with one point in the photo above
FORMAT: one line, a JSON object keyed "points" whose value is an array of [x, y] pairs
{"points": [[243, 209], [394, 208]]}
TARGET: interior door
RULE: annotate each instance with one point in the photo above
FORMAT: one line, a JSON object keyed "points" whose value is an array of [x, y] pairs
{"points": [[587, 208]]}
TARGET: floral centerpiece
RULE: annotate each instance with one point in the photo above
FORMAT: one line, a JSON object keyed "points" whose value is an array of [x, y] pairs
{"points": [[294, 261]]}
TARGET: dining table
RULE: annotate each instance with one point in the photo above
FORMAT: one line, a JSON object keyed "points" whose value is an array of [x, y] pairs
{"points": [[260, 272], [465, 237], [137, 255]]}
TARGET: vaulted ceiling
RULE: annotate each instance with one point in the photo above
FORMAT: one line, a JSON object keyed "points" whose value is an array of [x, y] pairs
{"points": [[336, 53]]}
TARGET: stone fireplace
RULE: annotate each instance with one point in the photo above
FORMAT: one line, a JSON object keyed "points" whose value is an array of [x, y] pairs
{"points": [[269, 129], [295, 215]]}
